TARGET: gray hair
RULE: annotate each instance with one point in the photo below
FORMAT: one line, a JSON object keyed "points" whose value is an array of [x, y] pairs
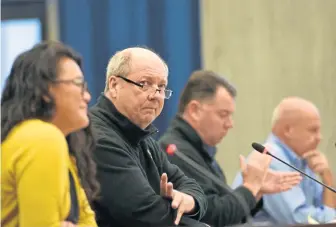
{"points": [[119, 64]]}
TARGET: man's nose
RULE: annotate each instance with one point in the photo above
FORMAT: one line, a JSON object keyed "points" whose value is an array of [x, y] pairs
{"points": [[155, 93]]}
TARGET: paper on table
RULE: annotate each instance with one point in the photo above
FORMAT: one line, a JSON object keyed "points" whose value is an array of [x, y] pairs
{"points": [[311, 220]]}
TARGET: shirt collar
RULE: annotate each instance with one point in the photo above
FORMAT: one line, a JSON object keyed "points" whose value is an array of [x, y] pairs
{"points": [[210, 150], [288, 152]]}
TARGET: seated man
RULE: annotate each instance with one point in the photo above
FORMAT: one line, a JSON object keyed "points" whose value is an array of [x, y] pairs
{"points": [[131, 168], [204, 118], [294, 139]]}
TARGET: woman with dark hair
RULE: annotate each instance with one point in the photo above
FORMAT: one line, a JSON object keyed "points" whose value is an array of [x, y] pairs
{"points": [[47, 173]]}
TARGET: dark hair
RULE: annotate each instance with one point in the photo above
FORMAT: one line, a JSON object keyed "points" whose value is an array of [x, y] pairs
{"points": [[26, 96], [26, 92], [81, 146], [203, 85]]}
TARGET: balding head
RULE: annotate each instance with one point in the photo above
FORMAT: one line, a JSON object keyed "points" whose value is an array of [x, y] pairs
{"points": [[128, 60], [291, 110], [296, 122], [136, 81]]}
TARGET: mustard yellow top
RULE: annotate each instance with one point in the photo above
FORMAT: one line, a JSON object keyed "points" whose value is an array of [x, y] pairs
{"points": [[35, 187]]}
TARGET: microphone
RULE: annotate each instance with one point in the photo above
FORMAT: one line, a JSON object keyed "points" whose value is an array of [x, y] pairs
{"points": [[261, 149], [172, 149]]}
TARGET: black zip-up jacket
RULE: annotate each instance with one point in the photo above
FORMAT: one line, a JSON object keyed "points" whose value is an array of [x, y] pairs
{"points": [[223, 207], [129, 167]]}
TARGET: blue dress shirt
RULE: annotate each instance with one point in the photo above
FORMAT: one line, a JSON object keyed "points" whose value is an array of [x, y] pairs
{"points": [[211, 151], [293, 206]]}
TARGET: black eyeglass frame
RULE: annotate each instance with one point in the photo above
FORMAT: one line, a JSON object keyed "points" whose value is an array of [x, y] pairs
{"points": [[167, 92]]}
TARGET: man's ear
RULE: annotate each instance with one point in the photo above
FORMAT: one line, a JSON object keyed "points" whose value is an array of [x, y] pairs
{"points": [[113, 86], [194, 109], [288, 130]]}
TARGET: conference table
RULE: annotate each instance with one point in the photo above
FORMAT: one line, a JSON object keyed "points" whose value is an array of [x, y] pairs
{"points": [[186, 221], [332, 224], [255, 225]]}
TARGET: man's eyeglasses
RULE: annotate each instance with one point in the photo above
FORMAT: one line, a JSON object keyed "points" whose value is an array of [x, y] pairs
{"points": [[166, 93], [80, 82]]}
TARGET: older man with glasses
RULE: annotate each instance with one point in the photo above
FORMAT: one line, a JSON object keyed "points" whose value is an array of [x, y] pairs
{"points": [[139, 186]]}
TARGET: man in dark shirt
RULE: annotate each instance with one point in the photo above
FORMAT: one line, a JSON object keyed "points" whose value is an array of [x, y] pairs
{"points": [[204, 118], [139, 186]]}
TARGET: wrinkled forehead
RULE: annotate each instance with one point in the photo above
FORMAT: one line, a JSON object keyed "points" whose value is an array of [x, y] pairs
{"points": [[149, 68], [307, 118]]}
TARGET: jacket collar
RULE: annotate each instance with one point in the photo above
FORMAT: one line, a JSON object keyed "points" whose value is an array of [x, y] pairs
{"points": [[183, 127], [133, 133]]}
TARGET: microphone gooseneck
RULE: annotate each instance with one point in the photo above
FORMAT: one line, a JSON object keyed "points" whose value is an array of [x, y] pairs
{"points": [[260, 148]]}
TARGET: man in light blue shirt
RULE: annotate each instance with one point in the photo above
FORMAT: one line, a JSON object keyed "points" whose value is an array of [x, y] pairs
{"points": [[294, 139]]}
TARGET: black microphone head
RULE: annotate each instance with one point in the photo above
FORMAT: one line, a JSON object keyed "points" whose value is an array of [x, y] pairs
{"points": [[258, 147]]}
